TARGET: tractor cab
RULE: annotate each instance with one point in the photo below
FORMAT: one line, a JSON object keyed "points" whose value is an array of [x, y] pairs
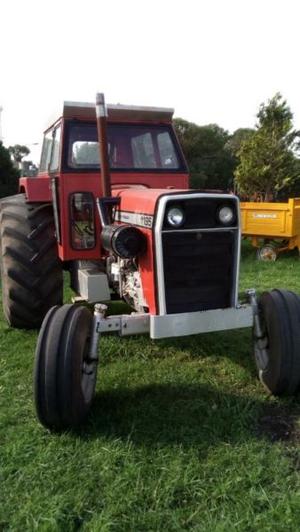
{"points": [[143, 149], [143, 152]]}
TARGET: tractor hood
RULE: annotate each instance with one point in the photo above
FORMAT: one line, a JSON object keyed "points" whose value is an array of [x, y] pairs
{"points": [[204, 247], [138, 205]]}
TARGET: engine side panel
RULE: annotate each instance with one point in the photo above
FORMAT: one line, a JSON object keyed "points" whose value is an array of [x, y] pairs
{"points": [[137, 207]]}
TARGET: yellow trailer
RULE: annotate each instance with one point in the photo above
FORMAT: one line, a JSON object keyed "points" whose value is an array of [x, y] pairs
{"points": [[272, 227]]}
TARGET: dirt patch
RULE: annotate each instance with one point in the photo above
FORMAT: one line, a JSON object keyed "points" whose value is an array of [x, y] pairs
{"points": [[278, 423]]}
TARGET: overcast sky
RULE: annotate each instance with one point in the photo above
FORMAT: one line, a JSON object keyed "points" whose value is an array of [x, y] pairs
{"points": [[214, 61]]}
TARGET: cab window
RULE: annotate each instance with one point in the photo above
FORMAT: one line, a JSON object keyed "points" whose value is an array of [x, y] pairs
{"points": [[46, 151], [55, 152], [130, 147]]}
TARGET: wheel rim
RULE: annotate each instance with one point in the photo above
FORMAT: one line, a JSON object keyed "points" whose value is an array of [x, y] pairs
{"points": [[261, 353], [88, 374], [267, 254], [261, 347]]}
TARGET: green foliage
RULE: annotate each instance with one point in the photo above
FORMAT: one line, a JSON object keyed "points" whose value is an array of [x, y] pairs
{"points": [[211, 165], [237, 138], [9, 175], [268, 164], [18, 151]]}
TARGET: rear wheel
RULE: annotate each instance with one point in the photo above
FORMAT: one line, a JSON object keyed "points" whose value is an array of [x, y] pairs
{"points": [[31, 272], [277, 354], [65, 377]]}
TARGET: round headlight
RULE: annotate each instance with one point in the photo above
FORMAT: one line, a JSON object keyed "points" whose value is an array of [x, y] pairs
{"points": [[226, 215], [175, 216]]}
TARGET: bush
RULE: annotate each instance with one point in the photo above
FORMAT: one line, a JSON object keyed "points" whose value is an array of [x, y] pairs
{"points": [[9, 175]]}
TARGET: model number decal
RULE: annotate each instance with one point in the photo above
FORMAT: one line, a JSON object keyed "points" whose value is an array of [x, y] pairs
{"points": [[146, 220], [135, 218]]}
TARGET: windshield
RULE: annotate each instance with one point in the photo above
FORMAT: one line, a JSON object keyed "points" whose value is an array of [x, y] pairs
{"points": [[131, 147]]}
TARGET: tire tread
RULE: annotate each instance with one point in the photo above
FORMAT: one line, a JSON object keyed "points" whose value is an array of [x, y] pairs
{"points": [[31, 271]]}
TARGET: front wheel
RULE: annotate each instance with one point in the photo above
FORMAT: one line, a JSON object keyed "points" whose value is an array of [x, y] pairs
{"points": [[65, 376], [277, 354]]}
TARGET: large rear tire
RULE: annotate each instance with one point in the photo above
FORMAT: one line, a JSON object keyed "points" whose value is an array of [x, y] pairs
{"points": [[31, 272], [65, 376], [277, 355]]}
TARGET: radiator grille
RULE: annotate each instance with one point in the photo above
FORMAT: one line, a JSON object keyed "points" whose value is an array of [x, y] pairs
{"points": [[198, 270]]}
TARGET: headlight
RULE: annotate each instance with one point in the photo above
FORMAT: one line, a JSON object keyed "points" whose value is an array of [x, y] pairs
{"points": [[226, 215], [175, 216]]}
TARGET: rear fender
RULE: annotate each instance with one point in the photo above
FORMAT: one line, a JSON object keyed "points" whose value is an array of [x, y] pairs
{"points": [[36, 189]]}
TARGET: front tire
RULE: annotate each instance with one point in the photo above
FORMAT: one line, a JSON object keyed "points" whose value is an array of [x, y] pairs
{"points": [[31, 272], [65, 377], [277, 355]]}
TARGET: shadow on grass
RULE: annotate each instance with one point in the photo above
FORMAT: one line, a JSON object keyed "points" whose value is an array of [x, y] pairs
{"points": [[234, 345], [188, 415]]}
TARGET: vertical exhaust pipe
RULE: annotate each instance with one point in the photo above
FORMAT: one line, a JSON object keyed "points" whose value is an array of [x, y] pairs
{"points": [[101, 116]]}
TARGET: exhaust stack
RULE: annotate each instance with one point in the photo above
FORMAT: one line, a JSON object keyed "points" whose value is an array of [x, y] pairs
{"points": [[101, 116]]}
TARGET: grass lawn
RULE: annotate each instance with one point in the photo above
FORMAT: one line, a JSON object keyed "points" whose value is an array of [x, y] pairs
{"points": [[182, 436]]}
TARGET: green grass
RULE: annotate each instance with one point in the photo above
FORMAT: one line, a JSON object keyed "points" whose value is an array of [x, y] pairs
{"points": [[178, 438]]}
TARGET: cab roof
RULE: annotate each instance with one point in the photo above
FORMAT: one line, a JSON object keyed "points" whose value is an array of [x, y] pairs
{"points": [[118, 112]]}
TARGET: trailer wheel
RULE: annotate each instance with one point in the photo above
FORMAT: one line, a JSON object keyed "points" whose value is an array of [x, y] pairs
{"points": [[267, 253], [277, 354], [64, 377], [31, 272]]}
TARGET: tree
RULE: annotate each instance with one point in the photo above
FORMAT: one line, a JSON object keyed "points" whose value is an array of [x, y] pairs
{"points": [[9, 175], [18, 151], [211, 165], [268, 163], [235, 140]]}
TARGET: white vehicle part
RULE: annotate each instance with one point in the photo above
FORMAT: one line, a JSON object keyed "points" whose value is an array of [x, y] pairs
{"points": [[184, 324], [188, 323], [93, 286]]}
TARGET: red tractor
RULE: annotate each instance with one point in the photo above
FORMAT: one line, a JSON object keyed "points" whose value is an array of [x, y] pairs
{"points": [[111, 204]]}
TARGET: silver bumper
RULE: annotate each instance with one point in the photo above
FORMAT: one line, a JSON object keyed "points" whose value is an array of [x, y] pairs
{"points": [[200, 322], [170, 325]]}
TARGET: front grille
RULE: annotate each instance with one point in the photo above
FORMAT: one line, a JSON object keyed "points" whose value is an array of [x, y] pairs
{"points": [[198, 270]]}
